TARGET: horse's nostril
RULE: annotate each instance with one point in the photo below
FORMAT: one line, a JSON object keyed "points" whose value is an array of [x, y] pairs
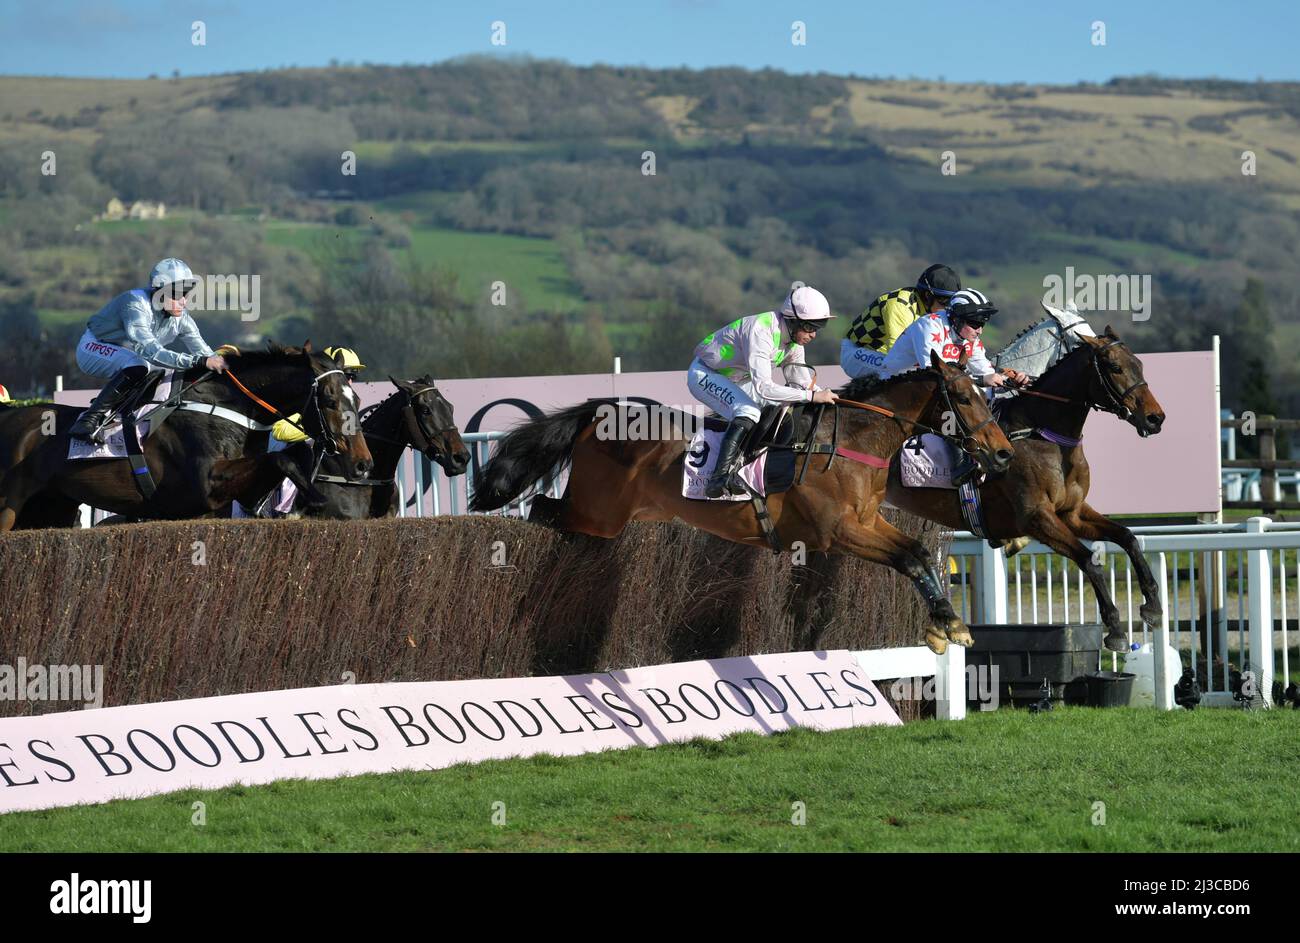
{"points": [[1004, 455]]}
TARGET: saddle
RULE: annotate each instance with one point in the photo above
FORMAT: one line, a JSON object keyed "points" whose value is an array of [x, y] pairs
{"points": [[776, 427], [782, 433]]}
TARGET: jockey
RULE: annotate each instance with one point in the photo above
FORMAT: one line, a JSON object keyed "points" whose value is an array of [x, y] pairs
{"points": [[876, 330], [732, 373], [948, 333], [129, 336]]}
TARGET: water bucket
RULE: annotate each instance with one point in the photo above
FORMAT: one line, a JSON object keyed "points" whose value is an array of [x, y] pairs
{"points": [[1110, 688]]}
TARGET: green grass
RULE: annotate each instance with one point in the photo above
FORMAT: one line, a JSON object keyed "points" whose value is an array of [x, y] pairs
{"points": [[533, 269], [1006, 781]]}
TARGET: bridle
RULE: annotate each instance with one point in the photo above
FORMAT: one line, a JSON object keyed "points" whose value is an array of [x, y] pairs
{"points": [[966, 441], [329, 443], [1115, 397], [418, 437], [1116, 406]]}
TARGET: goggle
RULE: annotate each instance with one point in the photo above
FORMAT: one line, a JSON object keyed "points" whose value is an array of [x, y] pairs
{"points": [[810, 326], [179, 290], [935, 291], [351, 374]]}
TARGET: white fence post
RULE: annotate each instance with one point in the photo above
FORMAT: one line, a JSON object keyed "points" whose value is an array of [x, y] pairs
{"points": [[1164, 699], [1261, 613], [950, 684], [993, 585]]}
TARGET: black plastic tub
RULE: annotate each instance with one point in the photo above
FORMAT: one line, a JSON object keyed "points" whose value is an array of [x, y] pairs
{"points": [[1110, 688], [1034, 660]]}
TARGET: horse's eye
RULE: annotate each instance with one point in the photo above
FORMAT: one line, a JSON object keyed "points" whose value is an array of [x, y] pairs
{"points": [[1115, 368]]}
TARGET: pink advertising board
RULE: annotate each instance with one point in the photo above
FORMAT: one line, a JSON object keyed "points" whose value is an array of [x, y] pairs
{"points": [[319, 733], [1176, 471]]}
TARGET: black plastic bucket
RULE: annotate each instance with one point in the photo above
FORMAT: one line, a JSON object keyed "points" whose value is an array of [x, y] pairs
{"points": [[1110, 688]]}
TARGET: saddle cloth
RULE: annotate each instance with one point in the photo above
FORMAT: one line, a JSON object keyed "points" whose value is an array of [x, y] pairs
{"points": [[114, 443], [702, 456], [927, 461]]}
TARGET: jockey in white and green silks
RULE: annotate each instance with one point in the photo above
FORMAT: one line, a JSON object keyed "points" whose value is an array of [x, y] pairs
{"points": [[732, 372]]}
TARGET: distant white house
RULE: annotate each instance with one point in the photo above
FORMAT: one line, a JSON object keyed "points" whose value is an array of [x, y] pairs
{"points": [[140, 209]]}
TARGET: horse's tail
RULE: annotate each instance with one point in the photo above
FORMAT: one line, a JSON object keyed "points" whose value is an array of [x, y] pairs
{"points": [[528, 453]]}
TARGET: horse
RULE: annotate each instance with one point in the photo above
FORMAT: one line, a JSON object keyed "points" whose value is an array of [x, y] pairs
{"points": [[198, 460], [614, 480], [417, 416], [1044, 492]]}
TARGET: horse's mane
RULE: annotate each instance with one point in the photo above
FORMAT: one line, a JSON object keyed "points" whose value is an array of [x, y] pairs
{"points": [[869, 384], [274, 353], [1042, 344]]}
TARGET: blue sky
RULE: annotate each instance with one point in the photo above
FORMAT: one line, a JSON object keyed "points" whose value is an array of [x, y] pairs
{"points": [[959, 40]]}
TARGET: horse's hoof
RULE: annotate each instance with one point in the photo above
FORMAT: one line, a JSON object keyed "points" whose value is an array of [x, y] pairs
{"points": [[1116, 642], [936, 642], [961, 637], [1013, 546], [1152, 613]]}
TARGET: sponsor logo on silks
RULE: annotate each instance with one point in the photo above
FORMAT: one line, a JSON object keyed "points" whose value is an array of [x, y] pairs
{"points": [[97, 348], [869, 357], [950, 351], [717, 391]]}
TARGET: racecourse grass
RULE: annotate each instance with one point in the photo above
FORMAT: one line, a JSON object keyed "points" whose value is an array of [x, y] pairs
{"points": [[1208, 780]]}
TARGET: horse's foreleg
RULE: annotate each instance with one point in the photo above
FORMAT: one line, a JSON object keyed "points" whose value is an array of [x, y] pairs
{"points": [[1097, 526], [1045, 525], [882, 542], [291, 467]]}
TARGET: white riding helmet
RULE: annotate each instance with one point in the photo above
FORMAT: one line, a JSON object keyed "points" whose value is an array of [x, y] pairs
{"points": [[169, 272], [806, 304]]}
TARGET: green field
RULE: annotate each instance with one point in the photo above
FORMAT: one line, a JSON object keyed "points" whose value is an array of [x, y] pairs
{"points": [[1005, 781]]}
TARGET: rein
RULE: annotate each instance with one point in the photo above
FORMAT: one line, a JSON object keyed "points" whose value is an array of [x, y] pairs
{"points": [[331, 446], [958, 441]]}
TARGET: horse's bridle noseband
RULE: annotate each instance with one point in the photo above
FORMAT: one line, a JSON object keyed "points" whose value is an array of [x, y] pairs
{"points": [[329, 444], [1116, 406], [419, 438], [966, 442]]}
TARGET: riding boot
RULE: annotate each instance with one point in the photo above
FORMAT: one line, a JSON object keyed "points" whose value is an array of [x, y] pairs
{"points": [[728, 458], [967, 468], [120, 388]]}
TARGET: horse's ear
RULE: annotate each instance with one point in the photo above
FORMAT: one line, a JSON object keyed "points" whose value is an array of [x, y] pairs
{"points": [[1111, 334], [400, 384], [935, 362], [306, 345], [965, 356]]}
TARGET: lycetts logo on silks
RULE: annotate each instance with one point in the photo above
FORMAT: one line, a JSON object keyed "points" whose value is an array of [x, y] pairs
{"points": [[717, 391], [950, 351]]}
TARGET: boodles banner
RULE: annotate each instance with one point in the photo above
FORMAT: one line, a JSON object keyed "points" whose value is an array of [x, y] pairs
{"points": [[317, 733]]}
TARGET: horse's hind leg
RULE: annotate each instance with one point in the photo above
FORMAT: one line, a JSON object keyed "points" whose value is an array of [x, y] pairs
{"points": [[882, 542], [1094, 525], [1051, 530]]}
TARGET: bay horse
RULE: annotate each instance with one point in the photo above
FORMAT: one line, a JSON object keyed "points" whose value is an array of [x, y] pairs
{"points": [[836, 509], [417, 416], [1044, 492], [198, 461]]}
